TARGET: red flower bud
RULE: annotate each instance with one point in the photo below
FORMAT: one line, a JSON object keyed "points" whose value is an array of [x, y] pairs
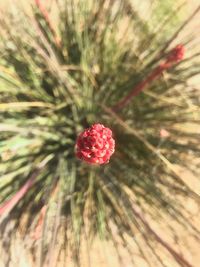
{"points": [[176, 54], [95, 145]]}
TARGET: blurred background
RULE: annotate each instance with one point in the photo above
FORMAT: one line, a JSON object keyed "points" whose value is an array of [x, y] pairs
{"points": [[103, 252]]}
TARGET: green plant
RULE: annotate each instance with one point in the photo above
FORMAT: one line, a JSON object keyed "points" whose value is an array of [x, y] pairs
{"points": [[57, 77]]}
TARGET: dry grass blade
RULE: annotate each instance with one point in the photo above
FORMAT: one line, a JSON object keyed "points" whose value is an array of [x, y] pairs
{"points": [[22, 105]]}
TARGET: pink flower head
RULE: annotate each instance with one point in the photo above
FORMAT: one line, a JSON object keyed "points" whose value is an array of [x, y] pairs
{"points": [[95, 144], [177, 54], [164, 133]]}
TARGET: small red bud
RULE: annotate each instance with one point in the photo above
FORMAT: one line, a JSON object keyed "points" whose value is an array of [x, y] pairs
{"points": [[177, 53]]}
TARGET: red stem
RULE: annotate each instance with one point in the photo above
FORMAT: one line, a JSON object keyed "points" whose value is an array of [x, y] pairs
{"points": [[141, 86], [174, 56], [45, 14], [11, 203]]}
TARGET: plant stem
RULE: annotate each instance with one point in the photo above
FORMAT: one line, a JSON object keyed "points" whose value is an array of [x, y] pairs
{"points": [[174, 56], [11, 203], [45, 15]]}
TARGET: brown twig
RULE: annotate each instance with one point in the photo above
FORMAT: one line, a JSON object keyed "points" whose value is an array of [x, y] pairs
{"points": [[178, 257]]}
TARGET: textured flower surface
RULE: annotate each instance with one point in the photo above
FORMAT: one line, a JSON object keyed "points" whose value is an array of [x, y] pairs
{"points": [[95, 145]]}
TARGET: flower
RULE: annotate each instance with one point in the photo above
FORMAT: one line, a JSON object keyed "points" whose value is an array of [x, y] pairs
{"points": [[95, 145], [176, 54]]}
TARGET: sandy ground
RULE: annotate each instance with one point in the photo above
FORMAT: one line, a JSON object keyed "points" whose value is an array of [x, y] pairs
{"points": [[103, 253]]}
